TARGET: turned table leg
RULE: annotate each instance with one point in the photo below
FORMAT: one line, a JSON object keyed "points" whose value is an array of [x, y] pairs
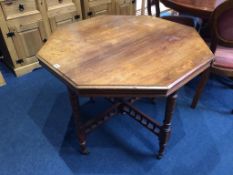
{"points": [[80, 132], [166, 127], [200, 88]]}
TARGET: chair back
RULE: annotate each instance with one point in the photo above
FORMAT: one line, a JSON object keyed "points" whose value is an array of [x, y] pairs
{"points": [[222, 25]]}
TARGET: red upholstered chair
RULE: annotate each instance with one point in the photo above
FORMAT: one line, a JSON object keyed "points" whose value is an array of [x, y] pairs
{"points": [[186, 20], [221, 45]]}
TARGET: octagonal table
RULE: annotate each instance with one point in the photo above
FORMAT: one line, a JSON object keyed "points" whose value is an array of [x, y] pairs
{"points": [[123, 58]]}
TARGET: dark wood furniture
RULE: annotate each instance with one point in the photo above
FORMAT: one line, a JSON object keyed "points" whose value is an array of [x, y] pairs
{"points": [[186, 20], [157, 7], [121, 58], [199, 8], [221, 45]]}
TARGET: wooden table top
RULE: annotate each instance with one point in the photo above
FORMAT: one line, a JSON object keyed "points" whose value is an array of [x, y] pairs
{"points": [[200, 8], [125, 54]]}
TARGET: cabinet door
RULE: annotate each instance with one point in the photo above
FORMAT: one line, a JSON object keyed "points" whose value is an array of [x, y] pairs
{"points": [[98, 7], [63, 19], [125, 7], [28, 39]]}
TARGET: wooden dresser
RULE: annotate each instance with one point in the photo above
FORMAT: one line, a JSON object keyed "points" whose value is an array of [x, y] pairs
{"points": [[26, 25]]}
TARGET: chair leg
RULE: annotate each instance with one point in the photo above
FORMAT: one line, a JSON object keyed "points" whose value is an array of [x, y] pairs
{"points": [[200, 87], [149, 7], [157, 8]]}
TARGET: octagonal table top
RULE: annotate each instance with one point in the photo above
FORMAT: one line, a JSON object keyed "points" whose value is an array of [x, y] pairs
{"points": [[125, 55]]}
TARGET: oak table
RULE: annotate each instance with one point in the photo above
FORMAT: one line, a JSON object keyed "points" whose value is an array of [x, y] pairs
{"points": [[123, 58], [199, 8]]}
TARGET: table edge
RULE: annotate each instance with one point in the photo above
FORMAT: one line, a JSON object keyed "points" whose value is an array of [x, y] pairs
{"points": [[203, 13], [120, 91]]}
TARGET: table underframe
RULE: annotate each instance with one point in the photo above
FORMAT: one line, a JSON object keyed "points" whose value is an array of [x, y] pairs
{"points": [[123, 106]]}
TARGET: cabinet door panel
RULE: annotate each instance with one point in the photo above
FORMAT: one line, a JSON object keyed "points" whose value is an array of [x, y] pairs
{"points": [[28, 42], [98, 7], [63, 19], [125, 7], [100, 10], [67, 21]]}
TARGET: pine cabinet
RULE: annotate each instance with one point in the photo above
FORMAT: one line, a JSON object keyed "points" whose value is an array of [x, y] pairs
{"points": [[27, 24]]}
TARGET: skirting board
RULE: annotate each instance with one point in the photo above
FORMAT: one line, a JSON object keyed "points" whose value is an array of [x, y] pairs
{"points": [[2, 81], [26, 69]]}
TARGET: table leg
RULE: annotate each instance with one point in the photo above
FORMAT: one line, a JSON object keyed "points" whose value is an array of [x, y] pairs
{"points": [[149, 7], [200, 87], [166, 128], [80, 132]]}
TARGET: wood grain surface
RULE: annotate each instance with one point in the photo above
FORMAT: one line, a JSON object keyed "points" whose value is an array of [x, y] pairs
{"points": [[125, 53]]}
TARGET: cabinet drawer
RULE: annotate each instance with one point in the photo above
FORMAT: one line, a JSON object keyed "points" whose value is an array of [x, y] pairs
{"points": [[99, 2], [98, 7], [54, 3], [125, 1], [61, 10], [18, 8]]}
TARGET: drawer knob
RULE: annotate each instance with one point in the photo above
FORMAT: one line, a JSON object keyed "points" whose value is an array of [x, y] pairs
{"points": [[89, 13], [21, 7]]}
